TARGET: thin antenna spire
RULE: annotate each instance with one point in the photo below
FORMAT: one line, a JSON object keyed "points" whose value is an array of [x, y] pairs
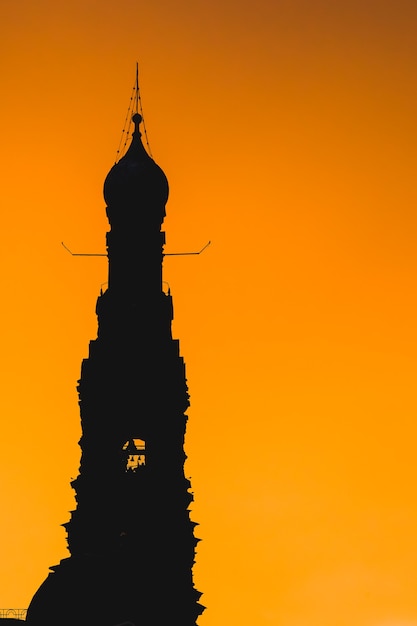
{"points": [[139, 104], [135, 106], [137, 88]]}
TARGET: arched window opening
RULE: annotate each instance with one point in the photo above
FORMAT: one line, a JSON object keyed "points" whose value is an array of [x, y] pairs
{"points": [[135, 453]]}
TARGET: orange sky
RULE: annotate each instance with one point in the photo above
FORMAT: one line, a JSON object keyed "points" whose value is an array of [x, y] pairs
{"points": [[287, 131]]}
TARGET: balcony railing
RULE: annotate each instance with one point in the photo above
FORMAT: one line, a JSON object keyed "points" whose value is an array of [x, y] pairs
{"points": [[13, 614]]}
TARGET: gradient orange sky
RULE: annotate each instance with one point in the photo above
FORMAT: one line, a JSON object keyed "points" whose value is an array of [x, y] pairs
{"points": [[287, 130]]}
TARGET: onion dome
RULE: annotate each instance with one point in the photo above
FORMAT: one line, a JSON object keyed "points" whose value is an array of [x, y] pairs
{"points": [[136, 187]]}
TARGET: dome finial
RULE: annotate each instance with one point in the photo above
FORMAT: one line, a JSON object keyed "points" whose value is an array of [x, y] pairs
{"points": [[136, 119]]}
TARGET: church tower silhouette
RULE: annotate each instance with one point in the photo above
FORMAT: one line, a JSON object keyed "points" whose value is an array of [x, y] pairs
{"points": [[131, 540]]}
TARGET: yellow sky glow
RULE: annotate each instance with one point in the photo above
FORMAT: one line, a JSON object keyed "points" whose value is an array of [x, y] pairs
{"points": [[287, 132]]}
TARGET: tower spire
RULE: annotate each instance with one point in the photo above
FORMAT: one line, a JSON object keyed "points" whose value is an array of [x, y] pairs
{"points": [[131, 539], [137, 88]]}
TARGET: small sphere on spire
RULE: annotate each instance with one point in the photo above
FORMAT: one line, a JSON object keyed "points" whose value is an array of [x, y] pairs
{"points": [[136, 118]]}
